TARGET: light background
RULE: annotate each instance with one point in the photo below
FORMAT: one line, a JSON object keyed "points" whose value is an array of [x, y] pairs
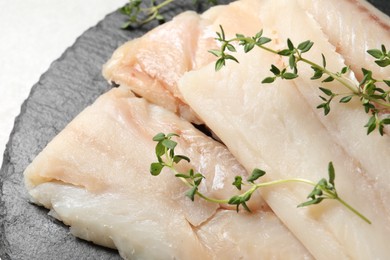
{"points": [[34, 33]]}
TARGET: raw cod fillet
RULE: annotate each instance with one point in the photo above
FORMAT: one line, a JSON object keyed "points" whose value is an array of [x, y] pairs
{"points": [[97, 181], [275, 127], [353, 27], [152, 64]]}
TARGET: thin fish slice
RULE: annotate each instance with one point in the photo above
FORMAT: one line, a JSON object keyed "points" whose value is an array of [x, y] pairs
{"points": [[353, 27], [273, 127], [94, 176], [152, 64]]}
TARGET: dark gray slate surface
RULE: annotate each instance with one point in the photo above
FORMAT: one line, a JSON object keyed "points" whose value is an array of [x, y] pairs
{"points": [[72, 82]]}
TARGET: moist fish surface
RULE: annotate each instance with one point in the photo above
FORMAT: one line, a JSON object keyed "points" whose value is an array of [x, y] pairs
{"points": [[152, 64], [94, 176], [275, 127]]}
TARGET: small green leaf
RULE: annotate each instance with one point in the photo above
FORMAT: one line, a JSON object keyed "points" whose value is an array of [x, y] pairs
{"points": [[371, 124], [290, 45], [159, 137], [219, 64], [310, 202], [155, 168], [328, 79], [305, 46], [235, 200], [268, 80], [169, 144], [344, 70], [230, 57], [285, 52], [331, 173], [256, 173], [317, 74], [192, 192], [291, 61], [178, 158], [182, 175], [327, 92], [375, 53], [262, 41], [289, 75], [160, 149], [249, 46], [387, 82], [275, 70], [216, 53], [323, 60], [237, 182], [383, 63], [346, 99], [231, 48]]}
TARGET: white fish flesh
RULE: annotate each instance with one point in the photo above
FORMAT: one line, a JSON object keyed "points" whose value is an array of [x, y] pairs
{"points": [[152, 64], [275, 127], [96, 180]]}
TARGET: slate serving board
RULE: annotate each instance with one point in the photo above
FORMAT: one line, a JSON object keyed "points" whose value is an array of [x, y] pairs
{"points": [[72, 82]]}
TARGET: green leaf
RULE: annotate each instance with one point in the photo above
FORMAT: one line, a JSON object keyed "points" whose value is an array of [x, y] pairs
{"points": [[160, 149], [328, 79], [231, 48], [285, 52], [291, 61], [268, 80], [155, 168], [178, 158], [327, 92], [248, 47], [323, 60], [192, 192], [275, 70], [262, 41], [344, 70], [216, 53], [346, 99], [219, 64], [317, 74], [169, 144], [375, 53], [310, 202], [290, 45], [289, 75], [387, 82], [331, 173], [230, 57], [237, 182], [235, 200], [383, 63], [305, 46], [182, 175], [371, 124], [159, 137], [256, 173], [386, 121]]}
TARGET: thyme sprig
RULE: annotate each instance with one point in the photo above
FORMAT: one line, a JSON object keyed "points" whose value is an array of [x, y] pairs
{"points": [[374, 98], [140, 13], [167, 158]]}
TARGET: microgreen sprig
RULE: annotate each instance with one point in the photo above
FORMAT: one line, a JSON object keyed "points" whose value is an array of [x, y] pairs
{"points": [[373, 98], [139, 14], [166, 157]]}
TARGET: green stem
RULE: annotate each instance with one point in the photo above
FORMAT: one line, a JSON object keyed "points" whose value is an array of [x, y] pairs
{"points": [[353, 210], [352, 87]]}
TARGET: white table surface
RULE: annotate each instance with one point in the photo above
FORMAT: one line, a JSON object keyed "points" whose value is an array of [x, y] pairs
{"points": [[34, 33]]}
